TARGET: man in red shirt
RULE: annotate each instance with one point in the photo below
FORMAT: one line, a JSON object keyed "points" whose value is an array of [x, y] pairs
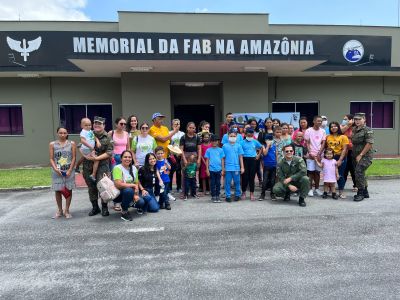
{"points": [[224, 128]]}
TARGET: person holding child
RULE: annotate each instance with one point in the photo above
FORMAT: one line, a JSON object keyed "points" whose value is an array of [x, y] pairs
{"points": [[330, 172], [233, 165], [215, 157], [62, 161]]}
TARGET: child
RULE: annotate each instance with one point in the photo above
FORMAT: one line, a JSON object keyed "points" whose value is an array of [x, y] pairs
{"points": [[88, 142], [298, 146], [278, 142], [163, 168], [204, 177], [190, 177], [269, 170], [330, 172], [233, 165], [215, 157]]}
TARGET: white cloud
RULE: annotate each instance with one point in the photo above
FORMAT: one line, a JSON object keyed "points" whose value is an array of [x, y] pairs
{"points": [[66, 10], [201, 10]]}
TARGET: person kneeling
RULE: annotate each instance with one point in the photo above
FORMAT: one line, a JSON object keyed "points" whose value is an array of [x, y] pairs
{"points": [[292, 176]]}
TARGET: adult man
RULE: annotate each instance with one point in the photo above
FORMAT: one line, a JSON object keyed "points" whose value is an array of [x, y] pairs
{"points": [[315, 138], [224, 129], [292, 176], [324, 124], [363, 138], [103, 155], [161, 133]]}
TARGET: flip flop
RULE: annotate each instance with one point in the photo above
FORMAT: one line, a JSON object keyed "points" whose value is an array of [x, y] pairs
{"points": [[117, 207], [57, 215], [342, 196], [67, 215]]}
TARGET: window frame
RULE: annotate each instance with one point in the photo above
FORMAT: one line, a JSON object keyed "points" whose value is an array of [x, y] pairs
{"points": [[86, 105], [295, 103], [372, 113], [22, 112]]}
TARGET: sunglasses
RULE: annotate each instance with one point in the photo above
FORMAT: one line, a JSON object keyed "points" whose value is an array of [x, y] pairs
{"points": [[144, 128], [288, 151], [98, 123], [122, 124]]}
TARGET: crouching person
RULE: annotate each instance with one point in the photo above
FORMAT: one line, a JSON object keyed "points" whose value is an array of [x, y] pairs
{"points": [[292, 176]]}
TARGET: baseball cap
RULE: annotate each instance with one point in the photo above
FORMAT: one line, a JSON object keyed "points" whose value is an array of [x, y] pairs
{"points": [[157, 114]]}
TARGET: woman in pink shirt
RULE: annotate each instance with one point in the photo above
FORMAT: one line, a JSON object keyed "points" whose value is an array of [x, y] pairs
{"points": [[120, 138]]}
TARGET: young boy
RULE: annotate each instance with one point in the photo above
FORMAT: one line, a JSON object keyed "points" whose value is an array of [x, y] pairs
{"points": [[233, 165], [164, 169], [298, 145], [190, 177], [88, 142], [215, 157]]}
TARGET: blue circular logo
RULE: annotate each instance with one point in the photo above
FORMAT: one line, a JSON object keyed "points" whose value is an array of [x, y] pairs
{"points": [[353, 51]]}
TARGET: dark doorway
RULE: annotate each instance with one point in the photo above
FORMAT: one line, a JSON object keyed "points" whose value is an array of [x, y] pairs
{"points": [[194, 113], [307, 109]]}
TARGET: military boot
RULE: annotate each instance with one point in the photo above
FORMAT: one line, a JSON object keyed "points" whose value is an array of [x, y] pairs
{"points": [[359, 196], [366, 194], [95, 210]]}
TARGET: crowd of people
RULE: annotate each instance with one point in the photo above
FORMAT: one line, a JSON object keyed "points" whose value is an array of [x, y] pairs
{"points": [[144, 161]]}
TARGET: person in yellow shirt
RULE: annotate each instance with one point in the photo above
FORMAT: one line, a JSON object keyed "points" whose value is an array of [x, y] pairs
{"points": [[161, 133], [338, 142]]}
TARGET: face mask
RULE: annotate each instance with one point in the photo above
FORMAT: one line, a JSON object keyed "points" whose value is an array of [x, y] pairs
{"points": [[249, 138], [345, 122], [232, 139], [205, 140], [324, 123]]}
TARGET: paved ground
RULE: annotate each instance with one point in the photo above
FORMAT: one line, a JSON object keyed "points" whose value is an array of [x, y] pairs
{"points": [[200, 250]]}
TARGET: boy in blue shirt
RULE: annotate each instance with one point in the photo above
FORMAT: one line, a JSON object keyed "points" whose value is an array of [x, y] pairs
{"points": [[163, 168], [233, 165], [251, 148], [214, 166]]}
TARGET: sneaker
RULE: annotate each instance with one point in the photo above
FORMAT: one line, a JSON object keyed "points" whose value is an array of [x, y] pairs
{"points": [[335, 196], [311, 193], [228, 199], [162, 188], [185, 198], [237, 198], [318, 192], [261, 198], [158, 198], [171, 198], [324, 195], [126, 216], [273, 197], [104, 211], [178, 191], [77, 170], [214, 200], [92, 178], [168, 206], [162, 206], [218, 199], [139, 211], [195, 196]]}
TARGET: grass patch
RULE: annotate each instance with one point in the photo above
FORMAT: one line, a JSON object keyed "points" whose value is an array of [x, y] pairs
{"points": [[382, 167], [25, 178]]}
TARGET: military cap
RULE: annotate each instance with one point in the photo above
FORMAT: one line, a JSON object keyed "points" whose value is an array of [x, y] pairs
{"points": [[359, 115], [99, 119]]}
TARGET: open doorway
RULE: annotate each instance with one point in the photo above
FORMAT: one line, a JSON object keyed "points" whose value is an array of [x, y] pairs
{"points": [[194, 113]]}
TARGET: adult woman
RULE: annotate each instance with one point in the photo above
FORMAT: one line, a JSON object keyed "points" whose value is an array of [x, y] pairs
{"points": [[276, 122], [363, 139], [338, 142], [120, 139], [175, 162], [148, 180], [125, 176], [62, 161], [203, 127], [347, 128], [132, 128], [267, 133], [142, 145], [303, 127], [286, 137], [190, 145]]}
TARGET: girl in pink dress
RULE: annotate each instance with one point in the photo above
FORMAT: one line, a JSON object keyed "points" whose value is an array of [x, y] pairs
{"points": [[330, 173], [205, 137]]}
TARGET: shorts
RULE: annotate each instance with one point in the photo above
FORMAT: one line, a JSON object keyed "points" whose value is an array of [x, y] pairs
{"points": [[312, 166], [86, 151]]}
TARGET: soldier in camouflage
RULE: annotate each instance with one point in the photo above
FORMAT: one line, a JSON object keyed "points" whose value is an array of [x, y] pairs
{"points": [[363, 139], [103, 154]]}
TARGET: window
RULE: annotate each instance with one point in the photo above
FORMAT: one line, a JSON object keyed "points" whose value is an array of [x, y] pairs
{"points": [[11, 120], [307, 109], [378, 114], [71, 115]]}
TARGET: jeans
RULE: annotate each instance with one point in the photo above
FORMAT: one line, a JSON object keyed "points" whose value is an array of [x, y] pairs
{"points": [[249, 174], [125, 198], [269, 174], [164, 195], [190, 185], [215, 183], [151, 204], [341, 181], [235, 175]]}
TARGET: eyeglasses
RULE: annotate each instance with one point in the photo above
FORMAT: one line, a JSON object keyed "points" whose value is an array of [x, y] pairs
{"points": [[144, 128], [288, 151], [122, 124]]}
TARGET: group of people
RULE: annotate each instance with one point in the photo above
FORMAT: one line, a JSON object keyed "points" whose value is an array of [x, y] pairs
{"points": [[142, 161]]}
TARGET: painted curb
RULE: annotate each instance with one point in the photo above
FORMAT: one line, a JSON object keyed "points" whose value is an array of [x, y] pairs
{"points": [[35, 188]]}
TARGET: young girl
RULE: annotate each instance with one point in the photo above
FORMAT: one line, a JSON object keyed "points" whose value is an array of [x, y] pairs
{"points": [[330, 172], [205, 137], [62, 160]]}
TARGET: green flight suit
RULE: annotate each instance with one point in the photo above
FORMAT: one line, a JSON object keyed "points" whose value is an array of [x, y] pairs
{"points": [[361, 136]]}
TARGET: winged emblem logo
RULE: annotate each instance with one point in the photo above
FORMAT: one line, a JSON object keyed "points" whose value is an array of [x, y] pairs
{"points": [[21, 46]]}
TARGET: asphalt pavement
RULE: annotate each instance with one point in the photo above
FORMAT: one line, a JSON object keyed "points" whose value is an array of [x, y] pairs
{"points": [[331, 249]]}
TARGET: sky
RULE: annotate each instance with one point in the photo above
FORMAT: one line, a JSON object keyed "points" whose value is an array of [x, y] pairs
{"points": [[326, 12]]}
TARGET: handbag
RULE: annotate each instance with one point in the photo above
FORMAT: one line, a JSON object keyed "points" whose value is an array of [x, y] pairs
{"points": [[107, 189]]}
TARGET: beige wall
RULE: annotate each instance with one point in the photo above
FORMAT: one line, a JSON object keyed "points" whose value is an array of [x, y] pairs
{"points": [[40, 99], [335, 94]]}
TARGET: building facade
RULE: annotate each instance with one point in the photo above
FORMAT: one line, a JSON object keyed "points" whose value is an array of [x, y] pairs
{"points": [[191, 66]]}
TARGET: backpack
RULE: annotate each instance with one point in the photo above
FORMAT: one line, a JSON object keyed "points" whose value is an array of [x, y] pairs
{"points": [[107, 189]]}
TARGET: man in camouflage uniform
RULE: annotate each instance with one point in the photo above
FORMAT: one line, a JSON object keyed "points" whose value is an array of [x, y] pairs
{"points": [[103, 154], [362, 138], [292, 176]]}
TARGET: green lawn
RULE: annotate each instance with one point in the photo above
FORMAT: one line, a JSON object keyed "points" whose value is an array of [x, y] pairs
{"points": [[27, 178]]}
